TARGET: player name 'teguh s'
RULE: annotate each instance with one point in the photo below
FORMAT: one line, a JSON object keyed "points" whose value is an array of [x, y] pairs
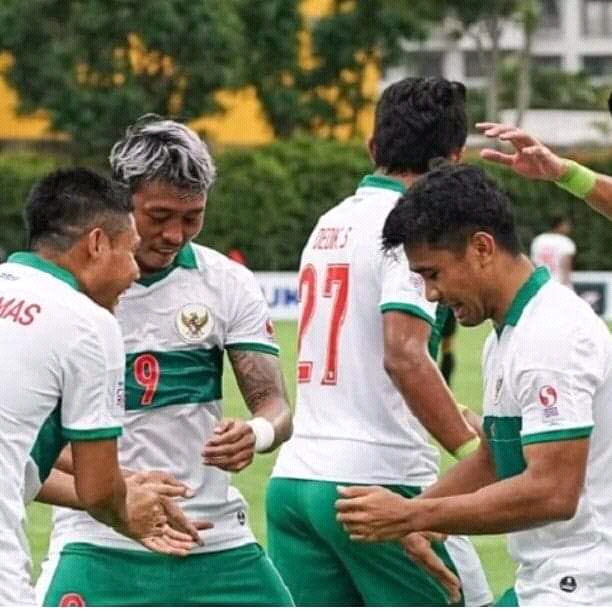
{"points": [[331, 238]]}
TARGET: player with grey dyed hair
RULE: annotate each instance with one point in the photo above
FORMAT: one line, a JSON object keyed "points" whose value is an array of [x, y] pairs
{"points": [[189, 306], [160, 149]]}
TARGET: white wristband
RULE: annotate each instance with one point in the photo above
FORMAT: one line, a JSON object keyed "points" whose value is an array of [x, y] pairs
{"points": [[264, 433]]}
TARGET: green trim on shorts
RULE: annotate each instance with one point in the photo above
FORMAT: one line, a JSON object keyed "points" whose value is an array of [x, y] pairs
{"points": [[102, 576], [508, 600], [323, 567]]}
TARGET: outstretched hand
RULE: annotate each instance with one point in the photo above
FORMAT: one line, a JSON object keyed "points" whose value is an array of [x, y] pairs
{"points": [[530, 158]]}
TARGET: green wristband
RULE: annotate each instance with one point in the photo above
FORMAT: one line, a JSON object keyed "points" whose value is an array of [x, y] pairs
{"points": [[578, 180], [467, 448]]}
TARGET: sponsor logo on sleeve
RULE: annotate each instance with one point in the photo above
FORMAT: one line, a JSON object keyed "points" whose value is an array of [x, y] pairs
{"points": [[547, 396]]}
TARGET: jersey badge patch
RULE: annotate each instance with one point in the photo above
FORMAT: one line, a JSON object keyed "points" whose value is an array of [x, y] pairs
{"points": [[194, 322]]}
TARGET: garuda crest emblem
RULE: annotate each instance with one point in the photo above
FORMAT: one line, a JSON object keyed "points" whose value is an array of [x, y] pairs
{"points": [[194, 322]]}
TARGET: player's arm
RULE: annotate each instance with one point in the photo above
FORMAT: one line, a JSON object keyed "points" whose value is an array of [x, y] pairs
{"points": [[418, 379], [532, 159], [262, 386], [547, 490]]}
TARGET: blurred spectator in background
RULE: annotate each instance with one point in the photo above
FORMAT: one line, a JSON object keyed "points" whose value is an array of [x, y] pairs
{"points": [[555, 250]]}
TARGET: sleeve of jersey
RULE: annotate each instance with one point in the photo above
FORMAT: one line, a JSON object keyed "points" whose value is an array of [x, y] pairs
{"points": [[250, 326], [93, 394], [557, 404], [403, 290]]}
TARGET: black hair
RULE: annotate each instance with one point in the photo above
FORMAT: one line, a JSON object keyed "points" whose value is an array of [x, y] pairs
{"points": [[417, 120], [448, 205], [67, 203], [557, 220]]}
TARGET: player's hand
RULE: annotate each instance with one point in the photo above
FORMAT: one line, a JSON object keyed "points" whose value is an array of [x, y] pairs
{"points": [[372, 514], [145, 516], [418, 548], [231, 447], [159, 482], [179, 534], [530, 158]]}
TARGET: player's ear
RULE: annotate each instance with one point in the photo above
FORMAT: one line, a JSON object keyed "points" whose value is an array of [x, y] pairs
{"points": [[483, 246], [98, 243]]}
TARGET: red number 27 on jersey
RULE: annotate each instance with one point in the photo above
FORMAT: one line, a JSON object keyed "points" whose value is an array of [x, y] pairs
{"points": [[336, 278]]}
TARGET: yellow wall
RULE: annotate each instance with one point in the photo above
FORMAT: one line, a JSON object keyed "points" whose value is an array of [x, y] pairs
{"points": [[242, 123]]}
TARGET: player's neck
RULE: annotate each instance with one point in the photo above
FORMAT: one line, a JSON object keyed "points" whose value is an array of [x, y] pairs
{"points": [[515, 274], [406, 178]]}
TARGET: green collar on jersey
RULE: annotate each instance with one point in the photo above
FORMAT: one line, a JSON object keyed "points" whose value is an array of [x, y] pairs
{"points": [[382, 182], [185, 258], [27, 258], [532, 285]]}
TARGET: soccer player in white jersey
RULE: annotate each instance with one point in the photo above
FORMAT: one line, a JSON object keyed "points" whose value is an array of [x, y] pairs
{"points": [[369, 393], [543, 473], [555, 250], [189, 306], [62, 378]]}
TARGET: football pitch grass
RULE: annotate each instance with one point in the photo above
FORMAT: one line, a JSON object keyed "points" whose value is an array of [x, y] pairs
{"points": [[252, 481]]}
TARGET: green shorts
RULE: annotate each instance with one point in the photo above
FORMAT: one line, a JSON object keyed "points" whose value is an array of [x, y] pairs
{"points": [[323, 567], [98, 576], [508, 600]]}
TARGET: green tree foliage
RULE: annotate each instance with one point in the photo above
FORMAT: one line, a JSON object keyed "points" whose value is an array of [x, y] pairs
{"points": [[96, 65], [355, 34], [271, 49], [267, 200]]}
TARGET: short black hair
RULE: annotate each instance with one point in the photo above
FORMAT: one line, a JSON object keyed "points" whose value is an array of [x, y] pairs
{"points": [[67, 203], [416, 121], [558, 219], [448, 205]]}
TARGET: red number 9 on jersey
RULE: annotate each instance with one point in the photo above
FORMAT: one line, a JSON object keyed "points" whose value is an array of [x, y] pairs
{"points": [[146, 373]]}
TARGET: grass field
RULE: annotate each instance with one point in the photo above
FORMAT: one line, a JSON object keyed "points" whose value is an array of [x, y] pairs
{"points": [[252, 482]]}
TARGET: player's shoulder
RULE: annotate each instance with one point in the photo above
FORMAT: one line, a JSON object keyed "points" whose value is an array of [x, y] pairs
{"points": [[558, 324], [220, 268]]}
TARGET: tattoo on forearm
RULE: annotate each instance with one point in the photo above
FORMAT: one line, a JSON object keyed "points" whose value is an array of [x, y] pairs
{"points": [[259, 377]]}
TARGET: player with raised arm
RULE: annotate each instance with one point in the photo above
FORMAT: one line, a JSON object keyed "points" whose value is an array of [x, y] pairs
{"points": [[62, 376], [369, 392], [534, 160], [543, 473], [189, 306]]}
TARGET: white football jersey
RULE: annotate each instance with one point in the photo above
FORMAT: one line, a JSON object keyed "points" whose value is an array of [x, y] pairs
{"points": [[176, 326], [548, 377], [351, 424], [549, 249], [62, 379]]}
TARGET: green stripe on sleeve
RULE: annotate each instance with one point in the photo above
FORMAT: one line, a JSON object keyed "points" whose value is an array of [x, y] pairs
{"points": [[410, 309], [253, 346], [557, 436], [104, 433]]}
